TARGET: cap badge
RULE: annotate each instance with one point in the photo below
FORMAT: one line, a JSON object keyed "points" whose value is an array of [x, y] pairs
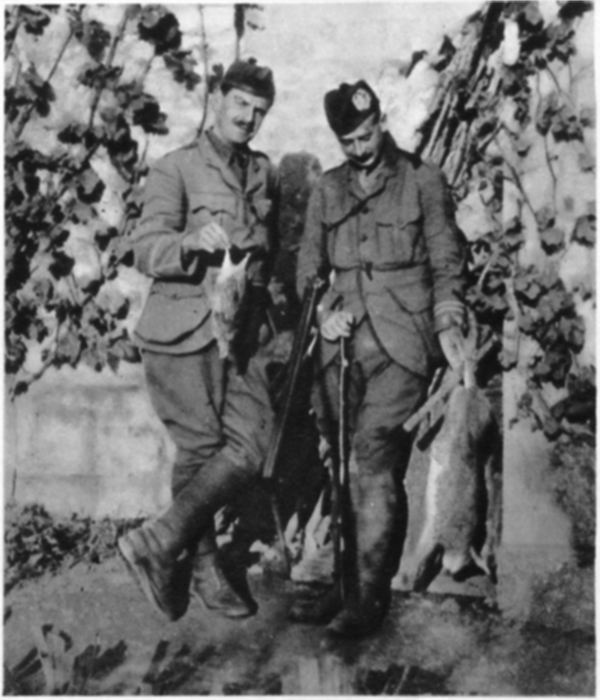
{"points": [[361, 100]]}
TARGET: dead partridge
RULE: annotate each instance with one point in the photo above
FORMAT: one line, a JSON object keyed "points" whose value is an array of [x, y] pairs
{"points": [[227, 300]]}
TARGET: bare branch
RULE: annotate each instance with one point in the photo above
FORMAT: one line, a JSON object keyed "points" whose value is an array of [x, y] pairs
{"points": [[517, 180], [109, 60], [24, 117], [546, 150], [204, 51], [12, 30]]}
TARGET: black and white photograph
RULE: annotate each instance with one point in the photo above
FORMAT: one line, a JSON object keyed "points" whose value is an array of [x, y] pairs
{"points": [[299, 349]]}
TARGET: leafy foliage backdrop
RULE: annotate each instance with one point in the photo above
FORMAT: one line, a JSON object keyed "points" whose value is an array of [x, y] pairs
{"points": [[74, 173]]}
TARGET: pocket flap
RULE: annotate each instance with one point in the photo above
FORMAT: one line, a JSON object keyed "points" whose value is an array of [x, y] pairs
{"points": [[214, 202], [407, 214], [166, 320]]}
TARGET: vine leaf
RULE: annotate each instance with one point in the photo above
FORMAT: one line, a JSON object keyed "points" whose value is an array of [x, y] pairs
{"points": [[584, 231], [61, 265], [552, 239], [530, 16], [94, 37], [573, 8], [527, 290], [89, 186], [38, 91], [104, 236], [147, 114], [35, 19], [68, 348], [181, 64], [160, 28], [216, 77], [545, 217], [99, 76]]}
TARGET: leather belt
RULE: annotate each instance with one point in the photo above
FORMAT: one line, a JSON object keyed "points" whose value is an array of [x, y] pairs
{"points": [[368, 267]]}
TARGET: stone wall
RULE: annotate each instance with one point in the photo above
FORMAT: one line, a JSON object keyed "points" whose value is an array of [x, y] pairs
{"points": [[87, 443]]}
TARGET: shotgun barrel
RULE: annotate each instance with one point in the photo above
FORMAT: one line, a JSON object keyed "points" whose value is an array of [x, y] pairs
{"points": [[293, 373]]}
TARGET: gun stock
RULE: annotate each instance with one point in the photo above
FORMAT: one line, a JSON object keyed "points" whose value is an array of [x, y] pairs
{"points": [[299, 346]]}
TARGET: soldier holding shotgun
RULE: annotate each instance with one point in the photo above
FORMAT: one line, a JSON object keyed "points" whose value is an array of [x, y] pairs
{"points": [[383, 224]]}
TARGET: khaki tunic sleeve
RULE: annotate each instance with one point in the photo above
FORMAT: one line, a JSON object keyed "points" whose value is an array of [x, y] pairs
{"points": [[446, 248], [157, 239]]}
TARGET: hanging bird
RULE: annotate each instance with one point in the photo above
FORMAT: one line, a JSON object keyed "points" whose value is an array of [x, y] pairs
{"points": [[227, 298]]}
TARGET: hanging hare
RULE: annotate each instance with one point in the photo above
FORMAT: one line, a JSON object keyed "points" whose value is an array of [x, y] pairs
{"points": [[457, 498]]}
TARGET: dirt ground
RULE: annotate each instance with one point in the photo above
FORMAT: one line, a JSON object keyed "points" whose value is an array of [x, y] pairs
{"points": [[98, 634]]}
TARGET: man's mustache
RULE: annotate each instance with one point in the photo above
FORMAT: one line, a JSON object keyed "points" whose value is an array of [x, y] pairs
{"points": [[243, 125]]}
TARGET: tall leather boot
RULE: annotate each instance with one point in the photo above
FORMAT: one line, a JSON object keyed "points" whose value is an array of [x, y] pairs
{"points": [[159, 566], [158, 552], [318, 609], [212, 586], [378, 539]]}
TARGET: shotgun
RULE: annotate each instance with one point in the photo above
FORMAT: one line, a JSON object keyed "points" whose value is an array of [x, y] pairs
{"points": [[339, 482], [293, 374]]}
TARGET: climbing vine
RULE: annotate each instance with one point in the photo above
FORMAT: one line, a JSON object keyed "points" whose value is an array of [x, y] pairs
{"points": [[53, 315], [489, 115]]}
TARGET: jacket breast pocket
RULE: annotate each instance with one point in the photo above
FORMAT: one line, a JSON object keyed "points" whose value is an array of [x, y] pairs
{"points": [[387, 241], [341, 248], [396, 238], [205, 206]]}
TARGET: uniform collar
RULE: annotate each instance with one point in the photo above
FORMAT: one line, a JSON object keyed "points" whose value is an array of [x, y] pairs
{"points": [[226, 151], [218, 155], [386, 168]]}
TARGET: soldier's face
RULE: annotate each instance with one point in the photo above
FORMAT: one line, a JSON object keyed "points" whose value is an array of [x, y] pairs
{"points": [[363, 145], [239, 115]]}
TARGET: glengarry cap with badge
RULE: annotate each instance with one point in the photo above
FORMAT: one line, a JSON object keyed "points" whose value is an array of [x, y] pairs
{"points": [[347, 107], [249, 76]]}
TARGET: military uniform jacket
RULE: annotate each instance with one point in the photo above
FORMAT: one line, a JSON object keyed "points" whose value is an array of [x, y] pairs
{"points": [[186, 189], [396, 254]]}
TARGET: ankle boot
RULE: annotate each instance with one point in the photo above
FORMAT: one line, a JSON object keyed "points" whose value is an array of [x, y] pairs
{"points": [[151, 555], [211, 585]]}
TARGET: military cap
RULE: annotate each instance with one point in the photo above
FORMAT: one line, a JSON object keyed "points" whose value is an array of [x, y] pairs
{"points": [[347, 107], [249, 76]]}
